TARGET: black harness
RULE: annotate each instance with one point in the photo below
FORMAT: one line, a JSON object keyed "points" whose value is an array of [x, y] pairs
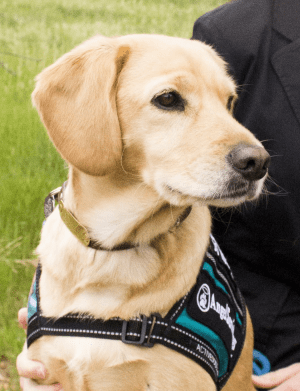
{"points": [[208, 325]]}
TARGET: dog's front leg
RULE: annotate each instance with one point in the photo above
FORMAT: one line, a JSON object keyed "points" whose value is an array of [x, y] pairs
{"points": [[129, 376], [71, 379]]}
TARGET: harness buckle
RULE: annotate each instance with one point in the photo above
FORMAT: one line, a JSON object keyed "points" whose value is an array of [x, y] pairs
{"points": [[142, 341]]}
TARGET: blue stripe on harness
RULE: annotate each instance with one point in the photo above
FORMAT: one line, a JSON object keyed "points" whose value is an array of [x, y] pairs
{"points": [[209, 269], [32, 301], [210, 336]]}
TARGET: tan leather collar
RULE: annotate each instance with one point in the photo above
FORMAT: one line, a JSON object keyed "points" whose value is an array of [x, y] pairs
{"points": [[80, 231]]}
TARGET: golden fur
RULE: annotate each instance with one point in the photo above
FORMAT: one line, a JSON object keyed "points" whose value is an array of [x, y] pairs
{"points": [[133, 169]]}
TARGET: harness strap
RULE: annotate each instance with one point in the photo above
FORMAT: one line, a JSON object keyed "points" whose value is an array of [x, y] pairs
{"points": [[144, 331]]}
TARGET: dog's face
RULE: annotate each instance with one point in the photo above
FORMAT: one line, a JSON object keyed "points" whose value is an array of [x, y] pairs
{"points": [[158, 107], [174, 102]]}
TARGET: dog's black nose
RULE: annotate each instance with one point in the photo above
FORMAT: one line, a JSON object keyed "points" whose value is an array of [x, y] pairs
{"points": [[250, 161]]}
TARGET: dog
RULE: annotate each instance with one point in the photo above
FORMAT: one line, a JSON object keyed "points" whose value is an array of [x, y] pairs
{"points": [[145, 124]]}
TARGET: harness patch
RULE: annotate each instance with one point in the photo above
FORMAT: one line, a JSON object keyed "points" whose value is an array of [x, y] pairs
{"points": [[208, 325]]}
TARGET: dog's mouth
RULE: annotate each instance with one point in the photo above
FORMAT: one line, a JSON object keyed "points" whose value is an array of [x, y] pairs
{"points": [[242, 189], [174, 191], [237, 191]]}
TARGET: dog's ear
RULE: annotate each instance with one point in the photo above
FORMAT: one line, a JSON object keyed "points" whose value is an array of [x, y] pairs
{"points": [[76, 100]]}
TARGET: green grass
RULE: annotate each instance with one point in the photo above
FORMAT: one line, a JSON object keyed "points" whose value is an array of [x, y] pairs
{"points": [[33, 34]]}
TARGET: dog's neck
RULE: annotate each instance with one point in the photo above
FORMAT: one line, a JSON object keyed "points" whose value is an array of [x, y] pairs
{"points": [[115, 212], [120, 283]]}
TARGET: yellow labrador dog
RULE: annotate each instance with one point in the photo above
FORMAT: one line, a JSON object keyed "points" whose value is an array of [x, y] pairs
{"points": [[144, 123]]}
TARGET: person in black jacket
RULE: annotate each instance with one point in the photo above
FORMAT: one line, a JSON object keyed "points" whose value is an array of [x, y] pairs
{"points": [[260, 40]]}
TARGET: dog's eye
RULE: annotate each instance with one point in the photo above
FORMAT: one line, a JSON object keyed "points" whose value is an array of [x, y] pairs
{"points": [[169, 101], [230, 103]]}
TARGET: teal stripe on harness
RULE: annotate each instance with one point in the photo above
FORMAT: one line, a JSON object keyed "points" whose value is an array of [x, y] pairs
{"points": [[32, 302], [209, 269], [216, 342], [238, 319]]}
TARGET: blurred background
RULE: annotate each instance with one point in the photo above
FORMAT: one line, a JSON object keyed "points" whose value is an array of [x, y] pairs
{"points": [[33, 34]]}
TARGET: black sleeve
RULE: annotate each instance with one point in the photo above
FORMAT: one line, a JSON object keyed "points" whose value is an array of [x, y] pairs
{"points": [[236, 30]]}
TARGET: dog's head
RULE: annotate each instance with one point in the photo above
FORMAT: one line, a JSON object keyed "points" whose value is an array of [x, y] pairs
{"points": [[157, 106]]}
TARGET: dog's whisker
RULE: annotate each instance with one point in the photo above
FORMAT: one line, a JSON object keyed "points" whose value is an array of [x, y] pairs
{"points": [[280, 192]]}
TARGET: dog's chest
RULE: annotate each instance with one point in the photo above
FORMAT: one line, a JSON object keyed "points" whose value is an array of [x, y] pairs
{"points": [[207, 325]]}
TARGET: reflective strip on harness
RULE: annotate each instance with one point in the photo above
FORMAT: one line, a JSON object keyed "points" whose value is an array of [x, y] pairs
{"points": [[207, 325]]}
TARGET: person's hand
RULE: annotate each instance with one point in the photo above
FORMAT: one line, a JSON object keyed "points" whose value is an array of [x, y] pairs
{"points": [[285, 379], [28, 369]]}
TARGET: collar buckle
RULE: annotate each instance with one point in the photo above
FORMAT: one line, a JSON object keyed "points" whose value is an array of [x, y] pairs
{"points": [[49, 203]]}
